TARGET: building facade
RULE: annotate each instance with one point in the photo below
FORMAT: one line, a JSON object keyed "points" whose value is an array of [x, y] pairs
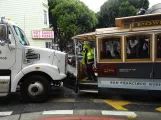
{"points": [[32, 17], [154, 9]]}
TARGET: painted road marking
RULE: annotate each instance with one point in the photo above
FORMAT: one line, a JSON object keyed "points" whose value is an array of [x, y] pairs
{"points": [[117, 104], [59, 112], [120, 113], [6, 113], [158, 109], [62, 100], [81, 118]]}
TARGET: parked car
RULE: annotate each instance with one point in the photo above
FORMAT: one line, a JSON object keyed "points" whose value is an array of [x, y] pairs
{"points": [[72, 59]]}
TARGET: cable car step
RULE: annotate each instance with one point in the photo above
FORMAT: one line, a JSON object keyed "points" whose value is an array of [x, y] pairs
{"points": [[88, 86], [89, 91], [82, 83]]}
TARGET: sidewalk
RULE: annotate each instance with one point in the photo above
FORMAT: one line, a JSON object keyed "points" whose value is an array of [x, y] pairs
{"points": [[63, 115], [84, 115]]}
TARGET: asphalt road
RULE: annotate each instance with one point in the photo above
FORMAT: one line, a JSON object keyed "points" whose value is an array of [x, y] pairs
{"points": [[64, 102], [135, 107]]}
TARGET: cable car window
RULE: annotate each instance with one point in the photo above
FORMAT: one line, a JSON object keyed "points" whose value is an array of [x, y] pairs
{"points": [[110, 48], [138, 47], [158, 46]]}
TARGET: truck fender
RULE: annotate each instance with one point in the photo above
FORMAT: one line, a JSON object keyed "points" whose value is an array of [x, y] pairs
{"points": [[50, 70], [14, 82]]}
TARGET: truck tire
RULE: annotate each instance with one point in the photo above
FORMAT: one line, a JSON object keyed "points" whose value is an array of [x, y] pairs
{"points": [[35, 88]]}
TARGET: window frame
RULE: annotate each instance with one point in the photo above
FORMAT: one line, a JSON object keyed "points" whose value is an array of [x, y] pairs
{"points": [[48, 44], [22, 33], [100, 45], [155, 39], [45, 17], [137, 60]]}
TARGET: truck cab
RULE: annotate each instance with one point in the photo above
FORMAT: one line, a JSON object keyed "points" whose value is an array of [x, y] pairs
{"points": [[33, 69]]}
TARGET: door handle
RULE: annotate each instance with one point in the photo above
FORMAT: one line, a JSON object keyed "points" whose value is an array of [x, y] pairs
{"points": [[12, 46], [152, 73]]}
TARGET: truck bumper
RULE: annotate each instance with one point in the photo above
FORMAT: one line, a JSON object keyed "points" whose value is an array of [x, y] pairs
{"points": [[62, 76], [69, 76]]}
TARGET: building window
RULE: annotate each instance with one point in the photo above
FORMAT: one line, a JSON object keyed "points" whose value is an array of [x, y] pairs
{"points": [[138, 47], [48, 45], [45, 17], [158, 46], [110, 49]]}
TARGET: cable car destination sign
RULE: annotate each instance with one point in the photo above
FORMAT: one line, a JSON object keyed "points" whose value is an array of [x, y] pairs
{"points": [[146, 23]]}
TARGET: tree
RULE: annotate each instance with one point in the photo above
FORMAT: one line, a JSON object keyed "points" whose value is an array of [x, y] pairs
{"points": [[126, 9], [139, 3], [112, 9], [69, 18]]}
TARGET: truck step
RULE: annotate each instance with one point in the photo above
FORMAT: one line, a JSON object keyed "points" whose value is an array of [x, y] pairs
{"points": [[4, 83], [89, 91]]}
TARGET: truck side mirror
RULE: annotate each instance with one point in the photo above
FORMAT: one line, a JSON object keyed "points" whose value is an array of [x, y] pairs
{"points": [[3, 34]]}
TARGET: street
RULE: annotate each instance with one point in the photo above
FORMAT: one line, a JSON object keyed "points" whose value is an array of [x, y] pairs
{"points": [[64, 102], [100, 60]]}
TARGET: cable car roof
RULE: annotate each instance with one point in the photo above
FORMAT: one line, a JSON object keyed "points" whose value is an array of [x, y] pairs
{"points": [[120, 26], [86, 36]]}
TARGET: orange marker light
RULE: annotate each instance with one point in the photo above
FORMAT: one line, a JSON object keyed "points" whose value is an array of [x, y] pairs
{"points": [[37, 67], [9, 18]]}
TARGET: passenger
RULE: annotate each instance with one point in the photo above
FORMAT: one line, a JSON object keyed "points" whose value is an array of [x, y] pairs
{"points": [[88, 60], [145, 49], [102, 55], [159, 52], [134, 49], [159, 48], [116, 54], [108, 54]]}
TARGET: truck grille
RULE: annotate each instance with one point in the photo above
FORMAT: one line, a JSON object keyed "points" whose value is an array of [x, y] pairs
{"points": [[30, 55], [66, 62]]}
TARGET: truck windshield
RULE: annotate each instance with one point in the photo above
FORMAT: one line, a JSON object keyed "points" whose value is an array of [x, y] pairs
{"points": [[21, 35]]}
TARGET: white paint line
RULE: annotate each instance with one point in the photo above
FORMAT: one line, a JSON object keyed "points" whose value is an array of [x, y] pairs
{"points": [[58, 112], [119, 113], [6, 113]]}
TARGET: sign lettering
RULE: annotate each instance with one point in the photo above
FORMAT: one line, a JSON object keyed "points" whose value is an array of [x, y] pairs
{"points": [[42, 34], [127, 70], [109, 71], [146, 23], [3, 58], [134, 83]]}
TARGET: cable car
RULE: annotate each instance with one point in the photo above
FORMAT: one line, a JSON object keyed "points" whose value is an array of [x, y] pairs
{"points": [[126, 57]]}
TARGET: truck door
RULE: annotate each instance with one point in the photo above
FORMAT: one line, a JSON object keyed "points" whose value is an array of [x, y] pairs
{"points": [[7, 54]]}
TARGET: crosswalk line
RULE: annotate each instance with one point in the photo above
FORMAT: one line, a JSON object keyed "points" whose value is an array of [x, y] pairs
{"points": [[119, 113], [58, 112], [6, 113]]}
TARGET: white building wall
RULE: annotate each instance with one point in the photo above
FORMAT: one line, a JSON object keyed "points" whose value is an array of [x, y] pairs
{"points": [[29, 15], [155, 8]]}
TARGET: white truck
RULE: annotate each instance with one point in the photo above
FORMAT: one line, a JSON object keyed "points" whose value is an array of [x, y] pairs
{"points": [[32, 69]]}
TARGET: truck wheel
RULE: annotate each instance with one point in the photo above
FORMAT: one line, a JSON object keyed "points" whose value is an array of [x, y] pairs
{"points": [[35, 88]]}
